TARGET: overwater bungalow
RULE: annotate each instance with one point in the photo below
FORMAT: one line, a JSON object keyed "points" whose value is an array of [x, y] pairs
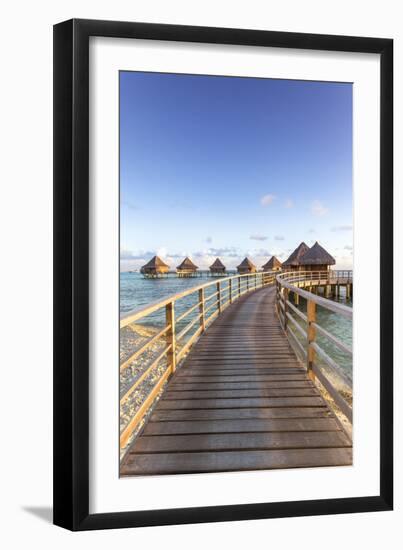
{"points": [[187, 268], [217, 267], [292, 263], [316, 259], [155, 268], [272, 265], [246, 266]]}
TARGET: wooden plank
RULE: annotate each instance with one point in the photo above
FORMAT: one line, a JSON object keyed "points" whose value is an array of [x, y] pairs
{"points": [[239, 372], [217, 364], [248, 346], [243, 441], [250, 355], [241, 403], [242, 425], [243, 378], [255, 369], [251, 359], [241, 385], [182, 463], [239, 414], [245, 356], [229, 362], [231, 394]]}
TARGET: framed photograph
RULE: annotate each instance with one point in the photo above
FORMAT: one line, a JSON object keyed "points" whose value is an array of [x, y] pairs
{"points": [[222, 205]]}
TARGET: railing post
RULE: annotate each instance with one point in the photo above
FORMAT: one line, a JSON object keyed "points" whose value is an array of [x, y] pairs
{"points": [[171, 338], [219, 296], [230, 290], [201, 309], [286, 291], [277, 298], [247, 283], [310, 356], [239, 286]]}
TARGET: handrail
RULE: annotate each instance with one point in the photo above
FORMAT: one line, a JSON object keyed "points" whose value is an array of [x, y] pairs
{"points": [[295, 282], [228, 290], [137, 314], [289, 280]]}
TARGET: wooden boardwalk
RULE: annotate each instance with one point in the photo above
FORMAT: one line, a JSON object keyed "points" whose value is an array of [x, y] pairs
{"points": [[241, 401]]}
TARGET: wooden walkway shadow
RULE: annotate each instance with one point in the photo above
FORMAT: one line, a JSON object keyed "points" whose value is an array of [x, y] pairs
{"points": [[241, 401]]}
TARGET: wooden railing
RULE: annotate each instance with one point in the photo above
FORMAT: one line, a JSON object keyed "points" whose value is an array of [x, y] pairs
{"points": [[182, 326], [302, 329]]}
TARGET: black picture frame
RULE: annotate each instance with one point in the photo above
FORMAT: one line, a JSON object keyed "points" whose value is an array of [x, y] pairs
{"points": [[71, 274]]}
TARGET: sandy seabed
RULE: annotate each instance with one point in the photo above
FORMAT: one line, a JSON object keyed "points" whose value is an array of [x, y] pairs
{"points": [[132, 338]]}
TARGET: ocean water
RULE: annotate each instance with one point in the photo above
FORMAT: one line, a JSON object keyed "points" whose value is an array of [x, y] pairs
{"points": [[136, 292], [338, 326]]}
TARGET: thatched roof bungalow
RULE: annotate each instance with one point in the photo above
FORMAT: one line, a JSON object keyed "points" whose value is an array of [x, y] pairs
{"points": [[187, 268], [272, 265], [246, 266], [316, 259], [217, 267], [155, 267], [292, 263]]}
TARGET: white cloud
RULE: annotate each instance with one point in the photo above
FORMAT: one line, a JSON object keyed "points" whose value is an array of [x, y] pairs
{"points": [[229, 251], [209, 240], [343, 262], [318, 209], [348, 247], [258, 237], [278, 238], [258, 253], [162, 252], [289, 203], [141, 255], [267, 199]]}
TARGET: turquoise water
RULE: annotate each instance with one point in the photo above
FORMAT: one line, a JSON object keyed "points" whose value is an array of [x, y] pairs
{"points": [[335, 324], [137, 292]]}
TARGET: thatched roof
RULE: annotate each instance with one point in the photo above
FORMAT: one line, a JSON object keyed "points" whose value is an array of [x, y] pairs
{"points": [[217, 264], [155, 263], [317, 255], [246, 263], [272, 263], [295, 257], [187, 264]]}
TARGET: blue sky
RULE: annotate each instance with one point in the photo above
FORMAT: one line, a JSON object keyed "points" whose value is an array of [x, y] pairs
{"points": [[227, 166]]}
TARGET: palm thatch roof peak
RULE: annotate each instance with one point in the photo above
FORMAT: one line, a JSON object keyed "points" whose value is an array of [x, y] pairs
{"points": [[187, 264], [217, 264], [155, 262], [272, 263], [317, 255], [295, 257], [246, 263]]}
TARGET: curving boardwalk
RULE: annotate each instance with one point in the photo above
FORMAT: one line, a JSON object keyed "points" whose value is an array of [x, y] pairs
{"points": [[241, 401]]}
